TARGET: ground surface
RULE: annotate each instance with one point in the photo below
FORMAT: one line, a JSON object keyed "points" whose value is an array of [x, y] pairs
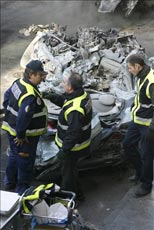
{"points": [[104, 189]]}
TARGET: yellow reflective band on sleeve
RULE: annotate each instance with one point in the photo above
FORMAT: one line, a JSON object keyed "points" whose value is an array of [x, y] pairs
{"points": [[6, 127], [81, 146], [31, 133], [35, 132], [142, 121], [77, 147]]}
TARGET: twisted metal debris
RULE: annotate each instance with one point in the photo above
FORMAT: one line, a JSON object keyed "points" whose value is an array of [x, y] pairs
{"points": [[98, 56]]}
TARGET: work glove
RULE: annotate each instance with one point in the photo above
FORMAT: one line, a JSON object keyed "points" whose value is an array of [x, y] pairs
{"points": [[150, 136], [61, 155]]}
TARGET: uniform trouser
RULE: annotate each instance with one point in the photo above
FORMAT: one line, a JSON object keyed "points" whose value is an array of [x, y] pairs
{"points": [[19, 170], [69, 172], [140, 152]]}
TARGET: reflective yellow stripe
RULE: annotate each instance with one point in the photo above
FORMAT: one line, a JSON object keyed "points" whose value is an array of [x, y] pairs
{"points": [[57, 141], [44, 187], [35, 196], [30, 91], [138, 105], [7, 128], [76, 105], [151, 81], [77, 98], [77, 147], [81, 146], [142, 121], [32, 197], [34, 132], [26, 210]]}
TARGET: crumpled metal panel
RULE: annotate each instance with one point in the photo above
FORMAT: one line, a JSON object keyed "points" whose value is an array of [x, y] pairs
{"points": [[108, 6], [130, 6], [98, 56]]}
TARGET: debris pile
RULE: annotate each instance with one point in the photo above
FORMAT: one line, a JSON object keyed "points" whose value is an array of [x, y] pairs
{"points": [[98, 56]]}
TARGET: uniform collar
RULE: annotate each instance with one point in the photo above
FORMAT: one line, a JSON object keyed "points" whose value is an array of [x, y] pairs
{"points": [[76, 93], [144, 72], [25, 79]]}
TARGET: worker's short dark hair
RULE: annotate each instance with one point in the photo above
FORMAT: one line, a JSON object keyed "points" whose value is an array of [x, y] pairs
{"points": [[28, 72], [75, 80], [135, 59]]}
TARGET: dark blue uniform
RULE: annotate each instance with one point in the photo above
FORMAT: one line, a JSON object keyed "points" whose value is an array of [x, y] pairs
{"points": [[136, 144], [22, 124]]}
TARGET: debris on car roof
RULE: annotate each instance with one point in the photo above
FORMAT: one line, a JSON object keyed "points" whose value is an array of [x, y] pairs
{"points": [[98, 56]]}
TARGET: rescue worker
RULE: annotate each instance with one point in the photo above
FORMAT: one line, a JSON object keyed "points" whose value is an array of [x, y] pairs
{"points": [[139, 141], [25, 120], [73, 129]]}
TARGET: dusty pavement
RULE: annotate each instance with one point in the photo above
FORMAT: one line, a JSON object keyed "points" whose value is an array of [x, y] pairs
{"points": [[104, 189]]}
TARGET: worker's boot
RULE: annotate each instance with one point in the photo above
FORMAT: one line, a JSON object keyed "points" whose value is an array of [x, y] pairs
{"points": [[141, 191]]}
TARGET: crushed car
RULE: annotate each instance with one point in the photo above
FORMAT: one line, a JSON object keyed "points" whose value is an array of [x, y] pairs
{"points": [[100, 58]]}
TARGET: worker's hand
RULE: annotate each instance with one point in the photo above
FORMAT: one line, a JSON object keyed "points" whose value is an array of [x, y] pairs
{"points": [[61, 155], [19, 142], [47, 95], [150, 136]]}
